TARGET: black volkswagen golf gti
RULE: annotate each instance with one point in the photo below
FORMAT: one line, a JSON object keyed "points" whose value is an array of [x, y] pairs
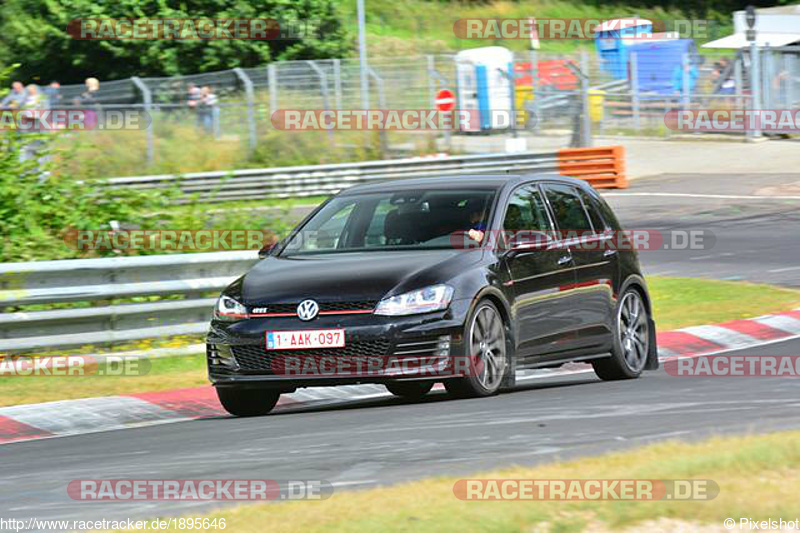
{"points": [[460, 280]]}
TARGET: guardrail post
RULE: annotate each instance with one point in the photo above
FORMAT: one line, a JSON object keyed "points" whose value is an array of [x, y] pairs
{"points": [[381, 103], [272, 76], [251, 114], [323, 83], [147, 97], [637, 119]]}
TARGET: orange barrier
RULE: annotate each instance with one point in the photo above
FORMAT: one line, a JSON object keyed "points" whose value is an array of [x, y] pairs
{"points": [[602, 167]]}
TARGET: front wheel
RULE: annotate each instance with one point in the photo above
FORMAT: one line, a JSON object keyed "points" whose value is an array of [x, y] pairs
{"points": [[485, 338], [410, 390], [247, 402], [631, 340]]}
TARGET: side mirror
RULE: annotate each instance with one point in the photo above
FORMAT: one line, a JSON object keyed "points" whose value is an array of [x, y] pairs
{"points": [[266, 250], [530, 240]]}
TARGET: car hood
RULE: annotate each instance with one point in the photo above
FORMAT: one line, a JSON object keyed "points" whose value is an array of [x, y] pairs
{"points": [[340, 277]]}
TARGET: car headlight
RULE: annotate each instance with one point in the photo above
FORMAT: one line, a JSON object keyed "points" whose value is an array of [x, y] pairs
{"points": [[433, 298], [229, 309]]}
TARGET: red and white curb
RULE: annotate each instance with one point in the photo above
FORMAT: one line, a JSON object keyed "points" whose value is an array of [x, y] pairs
{"points": [[73, 417]]}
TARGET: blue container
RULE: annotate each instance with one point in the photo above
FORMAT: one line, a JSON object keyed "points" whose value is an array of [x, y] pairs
{"points": [[659, 61]]}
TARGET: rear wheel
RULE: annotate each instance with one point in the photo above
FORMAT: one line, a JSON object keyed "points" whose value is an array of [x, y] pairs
{"points": [[485, 338], [631, 340], [410, 390], [247, 402]]}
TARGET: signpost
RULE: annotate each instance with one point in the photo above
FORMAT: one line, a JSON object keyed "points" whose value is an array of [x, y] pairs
{"points": [[755, 62]]}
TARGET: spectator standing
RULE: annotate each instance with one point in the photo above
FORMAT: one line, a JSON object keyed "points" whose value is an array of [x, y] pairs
{"points": [[35, 102], [89, 96], [208, 111], [53, 93], [16, 98]]}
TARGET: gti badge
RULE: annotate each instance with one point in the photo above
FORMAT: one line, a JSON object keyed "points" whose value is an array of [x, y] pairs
{"points": [[307, 310]]}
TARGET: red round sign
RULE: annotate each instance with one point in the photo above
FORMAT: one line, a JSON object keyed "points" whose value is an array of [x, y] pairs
{"points": [[445, 100]]}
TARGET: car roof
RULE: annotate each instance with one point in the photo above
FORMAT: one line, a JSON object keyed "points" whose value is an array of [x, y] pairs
{"points": [[478, 181]]}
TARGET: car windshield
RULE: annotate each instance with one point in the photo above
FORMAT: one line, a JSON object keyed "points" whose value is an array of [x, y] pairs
{"points": [[419, 219]]}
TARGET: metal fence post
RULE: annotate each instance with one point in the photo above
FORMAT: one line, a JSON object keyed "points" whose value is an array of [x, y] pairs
{"points": [[251, 114], [768, 98], [534, 87], [789, 92], [755, 84], [323, 84], [586, 131], [431, 82], [272, 75], [637, 119], [381, 103], [685, 79], [337, 82], [147, 97]]}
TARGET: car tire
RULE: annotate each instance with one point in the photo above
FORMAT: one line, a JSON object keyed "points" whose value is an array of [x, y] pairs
{"points": [[247, 402], [491, 346], [410, 390], [631, 340]]}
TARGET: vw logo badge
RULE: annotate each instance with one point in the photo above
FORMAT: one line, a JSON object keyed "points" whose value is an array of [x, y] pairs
{"points": [[307, 310]]}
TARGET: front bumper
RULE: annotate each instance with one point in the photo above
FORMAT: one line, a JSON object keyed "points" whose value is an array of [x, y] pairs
{"points": [[422, 345]]}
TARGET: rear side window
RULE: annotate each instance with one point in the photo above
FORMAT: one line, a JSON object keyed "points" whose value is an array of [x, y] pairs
{"points": [[526, 211], [567, 208], [593, 208]]}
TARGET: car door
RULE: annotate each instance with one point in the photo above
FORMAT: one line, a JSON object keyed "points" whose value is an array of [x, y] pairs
{"points": [[581, 225], [545, 320]]}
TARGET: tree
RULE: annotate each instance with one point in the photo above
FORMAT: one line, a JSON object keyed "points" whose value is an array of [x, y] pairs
{"points": [[34, 33]]}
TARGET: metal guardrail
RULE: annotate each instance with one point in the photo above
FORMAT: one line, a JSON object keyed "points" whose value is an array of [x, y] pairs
{"points": [[189, 277], [300, 181], [183, 283]]}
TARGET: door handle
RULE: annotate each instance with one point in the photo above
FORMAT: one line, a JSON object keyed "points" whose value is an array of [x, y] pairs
{"points": [[564, 260], [609, 253]]}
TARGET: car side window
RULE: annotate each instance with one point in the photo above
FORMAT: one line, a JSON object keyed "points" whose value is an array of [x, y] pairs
{"points": [[526, 211], [593, 208], [567, 208]]}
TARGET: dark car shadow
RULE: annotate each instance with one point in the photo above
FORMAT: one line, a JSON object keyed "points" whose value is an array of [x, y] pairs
{"points": [[433, 397]]}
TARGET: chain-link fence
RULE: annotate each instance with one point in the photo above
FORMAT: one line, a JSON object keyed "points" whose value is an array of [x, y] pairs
{"points": [[567, 96]]}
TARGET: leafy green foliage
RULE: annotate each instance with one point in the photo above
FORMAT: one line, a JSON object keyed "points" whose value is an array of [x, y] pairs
{"points": [[36, 31], [37, 207]]}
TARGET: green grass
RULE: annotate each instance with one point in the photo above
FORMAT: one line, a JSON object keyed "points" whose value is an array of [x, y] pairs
{"points": [[682, 302], [757, 476], [163, 374], [677, 302]]}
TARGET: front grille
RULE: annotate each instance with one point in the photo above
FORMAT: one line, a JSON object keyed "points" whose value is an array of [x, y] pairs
{"points": [[257, 357], [367, 305]]}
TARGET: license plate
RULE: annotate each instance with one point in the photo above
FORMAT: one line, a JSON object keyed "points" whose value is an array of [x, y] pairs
{"points": [[302, 340]]}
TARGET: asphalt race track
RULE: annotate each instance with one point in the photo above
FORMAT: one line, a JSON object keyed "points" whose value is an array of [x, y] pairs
{"points": [[387, 441], [756, 237]]}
